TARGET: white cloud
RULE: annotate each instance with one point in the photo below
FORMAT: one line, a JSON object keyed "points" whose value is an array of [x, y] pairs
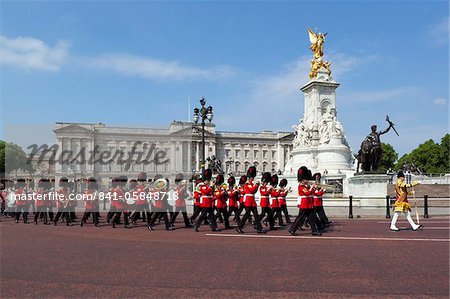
{"points": [[32, 54], [379, 95], [440, 101], [278, 98], [155, 69], [439, 32]]}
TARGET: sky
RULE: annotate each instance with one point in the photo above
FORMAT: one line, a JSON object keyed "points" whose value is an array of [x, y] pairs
{"points": [[138, 63]]}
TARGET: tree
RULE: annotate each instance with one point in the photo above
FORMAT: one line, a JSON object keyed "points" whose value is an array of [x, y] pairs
{"points": [[388, 157], [445, 147], [429, 157], [12, 158]]}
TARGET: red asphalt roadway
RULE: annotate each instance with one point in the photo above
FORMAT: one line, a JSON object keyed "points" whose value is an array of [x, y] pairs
{"points": [[358, 257]]}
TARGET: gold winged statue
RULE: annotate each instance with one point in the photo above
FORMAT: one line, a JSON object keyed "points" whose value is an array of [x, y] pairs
{"points": [[317, 40]]}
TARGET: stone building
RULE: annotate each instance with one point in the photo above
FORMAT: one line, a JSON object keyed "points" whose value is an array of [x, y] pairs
{"points": [[89, 149]]}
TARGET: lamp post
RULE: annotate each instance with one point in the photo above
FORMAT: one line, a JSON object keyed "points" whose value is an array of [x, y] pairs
{"points": [[203, 114]]}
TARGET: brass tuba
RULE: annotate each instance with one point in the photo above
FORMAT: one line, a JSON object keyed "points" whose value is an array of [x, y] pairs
{"points": [[160, 184]]}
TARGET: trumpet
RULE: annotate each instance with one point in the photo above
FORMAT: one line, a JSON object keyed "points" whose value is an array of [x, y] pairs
{"points": [[225, 186]]}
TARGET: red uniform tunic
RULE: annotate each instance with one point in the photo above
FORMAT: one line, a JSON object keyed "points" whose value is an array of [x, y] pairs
{"points": [[197, 198], [180, 196], [60, 197], [40, 198], [89, 199], [118, 196], [206, 198], [304, 200], [249, 194], [233, 198], [241, 194], [20, 199], [140, 195], [220, 196], [265, 194], [317, 196], [282, 197], [274, 198]]}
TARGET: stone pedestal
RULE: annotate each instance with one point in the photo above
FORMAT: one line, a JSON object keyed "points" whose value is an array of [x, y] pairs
{"points": [[369, 189]]}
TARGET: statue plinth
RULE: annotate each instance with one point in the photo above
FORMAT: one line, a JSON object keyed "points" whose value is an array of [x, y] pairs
{"points": [[320, 143]]}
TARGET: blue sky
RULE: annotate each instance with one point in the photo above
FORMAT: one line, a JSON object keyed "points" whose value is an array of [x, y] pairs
{"points": [[137, 63]]}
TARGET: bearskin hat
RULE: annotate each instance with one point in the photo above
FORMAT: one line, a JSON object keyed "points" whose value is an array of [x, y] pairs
{"points": [[283, 183], [317, 176], [133, 184], [251, 172], [207, 174], [400, 174], [63, 181], [231, 181], [157, 177], [179, 177], [266, 177], [142, 177], [114, 181], [92, 183], [20, 183], [274, 180], [123, 179], [243, 180], [303, 173], [219, 179]]}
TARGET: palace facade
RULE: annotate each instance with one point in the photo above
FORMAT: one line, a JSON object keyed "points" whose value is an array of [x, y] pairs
{"points": [[95, 149]]}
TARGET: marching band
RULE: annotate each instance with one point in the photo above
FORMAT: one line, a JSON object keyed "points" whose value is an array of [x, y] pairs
{"points": [[152, 200]]}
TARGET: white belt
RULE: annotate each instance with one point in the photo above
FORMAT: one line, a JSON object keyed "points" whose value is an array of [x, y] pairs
{"points": [[299, 199], [248, 195], [204, 196]]}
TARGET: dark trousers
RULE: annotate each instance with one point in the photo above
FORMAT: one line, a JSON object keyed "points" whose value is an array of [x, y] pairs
{"points": [[223, 212], [156, 216], [145, 212], [24, 210], [118, 214], [207, 213], [276, 214], [248, 211], [267, 211], [286, 213], [41, 212], [197, 211], [234, 210], [305, 214], [66, 215], [87, 214], [50, 213], [322, 216], [174, 216]]}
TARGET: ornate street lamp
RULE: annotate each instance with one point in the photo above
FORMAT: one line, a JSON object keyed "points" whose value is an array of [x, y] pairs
{"points": [[203, 114]]}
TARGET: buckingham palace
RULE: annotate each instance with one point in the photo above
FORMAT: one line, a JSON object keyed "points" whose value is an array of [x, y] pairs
{"points": [[165, 151]]}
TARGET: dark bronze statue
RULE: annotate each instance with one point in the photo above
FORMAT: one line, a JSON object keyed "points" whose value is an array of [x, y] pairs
{"points": [[369, 156]]}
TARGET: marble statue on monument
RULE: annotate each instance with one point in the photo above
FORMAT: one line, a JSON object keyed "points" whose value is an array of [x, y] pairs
{"points": [[319, 141]]}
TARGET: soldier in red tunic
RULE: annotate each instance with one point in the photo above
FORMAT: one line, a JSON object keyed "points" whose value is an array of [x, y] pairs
{"points": [[196, 195], [240, 190], [180, 195], [140, 195], [118, 196], [317, 194], [250, 188], [41, 198], [282, 201], [264, 203], [63, 202], [206, 202], [305, 203], [21, 201], [274, 196], [220, 196], [160, 193], [233, 198], [90, 198]]}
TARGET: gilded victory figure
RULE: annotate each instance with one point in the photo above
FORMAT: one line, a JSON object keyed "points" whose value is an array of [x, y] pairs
{"points": [[317, 40]]}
